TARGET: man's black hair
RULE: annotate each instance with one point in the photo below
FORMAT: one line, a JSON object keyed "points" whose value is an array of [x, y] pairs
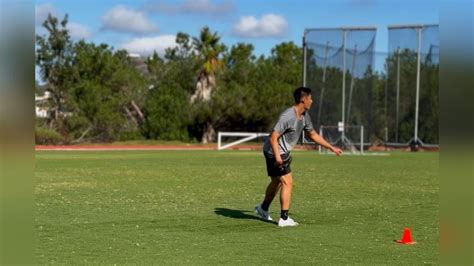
{"points": [[300, 93]]}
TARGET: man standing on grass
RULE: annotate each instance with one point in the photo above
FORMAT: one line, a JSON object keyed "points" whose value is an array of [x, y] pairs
{"points": [[276, 150]]}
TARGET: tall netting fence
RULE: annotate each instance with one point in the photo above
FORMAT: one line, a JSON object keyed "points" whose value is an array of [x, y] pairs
{"points": [[338, 66], [413, 68], [354, 84]]}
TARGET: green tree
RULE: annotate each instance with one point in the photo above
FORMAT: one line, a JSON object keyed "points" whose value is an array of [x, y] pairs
{"points": [[166, 113], [54, 54], [234, 99], [172, 79], [132, 87], [287, 57], [183, 50], [253, 92], [181, 65], [240, 63], [105, 83]]}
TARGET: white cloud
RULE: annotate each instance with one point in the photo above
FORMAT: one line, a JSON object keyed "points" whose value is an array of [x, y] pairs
{"points": [[78, 31], [190, 7], [269, 25], [146, 45], [123, 19], [42, 11]]}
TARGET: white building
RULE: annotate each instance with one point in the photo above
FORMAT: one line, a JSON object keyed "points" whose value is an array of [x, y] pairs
{"points": [[40, 108]]}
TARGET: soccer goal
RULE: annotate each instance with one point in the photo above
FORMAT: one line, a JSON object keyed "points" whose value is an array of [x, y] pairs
{"points": [[241, 138]]}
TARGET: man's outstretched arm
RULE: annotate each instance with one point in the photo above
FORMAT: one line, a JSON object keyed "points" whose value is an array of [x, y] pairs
{"points": [[319, 140]]}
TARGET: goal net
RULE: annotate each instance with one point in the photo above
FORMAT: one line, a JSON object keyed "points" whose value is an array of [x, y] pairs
{"points": [[350, 139]]}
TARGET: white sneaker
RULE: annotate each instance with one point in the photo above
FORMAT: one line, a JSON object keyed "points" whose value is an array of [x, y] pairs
{"points": [[287, 222], [262, 213]]}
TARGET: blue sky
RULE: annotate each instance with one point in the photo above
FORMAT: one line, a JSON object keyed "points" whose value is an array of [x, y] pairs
{"points": [[142, 26]]}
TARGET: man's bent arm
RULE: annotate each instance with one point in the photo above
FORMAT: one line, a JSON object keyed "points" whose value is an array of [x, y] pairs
{"points": [[274, 144]]}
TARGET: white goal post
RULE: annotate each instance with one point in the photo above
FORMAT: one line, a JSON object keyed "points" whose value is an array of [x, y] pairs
{"points": [[246, 137]]}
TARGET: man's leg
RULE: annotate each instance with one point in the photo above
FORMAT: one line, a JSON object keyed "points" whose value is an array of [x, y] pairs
{"points": [[270, 193], [286, 188], [285, 199]]}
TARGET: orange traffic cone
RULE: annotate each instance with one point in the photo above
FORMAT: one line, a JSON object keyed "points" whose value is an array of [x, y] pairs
{"points": [[406, 238]]}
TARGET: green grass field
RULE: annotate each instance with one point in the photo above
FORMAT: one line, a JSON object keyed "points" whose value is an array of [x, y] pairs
{"points": [[196, 207]]}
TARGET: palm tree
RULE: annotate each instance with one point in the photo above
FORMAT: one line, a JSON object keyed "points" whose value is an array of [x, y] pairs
{"points": [[208, 48]]}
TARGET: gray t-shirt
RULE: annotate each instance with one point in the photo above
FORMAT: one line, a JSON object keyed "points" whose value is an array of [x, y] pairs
{"points": [[290, 129]]}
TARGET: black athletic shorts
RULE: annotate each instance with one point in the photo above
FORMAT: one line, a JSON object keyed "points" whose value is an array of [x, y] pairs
{"points": [[272, 169]]}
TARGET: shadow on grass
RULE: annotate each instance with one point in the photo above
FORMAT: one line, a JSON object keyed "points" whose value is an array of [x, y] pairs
{"points": [[240, 214]]}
